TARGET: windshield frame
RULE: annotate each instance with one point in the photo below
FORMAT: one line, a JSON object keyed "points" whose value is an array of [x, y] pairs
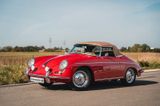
{"points": [[81, 45]]}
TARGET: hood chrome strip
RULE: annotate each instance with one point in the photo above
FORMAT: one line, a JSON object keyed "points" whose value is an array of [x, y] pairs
{"points": [[47, 61]]}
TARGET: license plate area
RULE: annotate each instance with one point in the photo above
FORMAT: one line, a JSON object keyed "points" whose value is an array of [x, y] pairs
{"points": [[37, 80]]}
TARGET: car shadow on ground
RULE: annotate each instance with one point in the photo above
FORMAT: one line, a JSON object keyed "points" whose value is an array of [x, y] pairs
{"points": [[118, 84], [103, 85]]}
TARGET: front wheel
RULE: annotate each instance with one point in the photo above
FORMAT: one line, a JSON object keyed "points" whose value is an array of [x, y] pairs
{"points": [[130, 77], [81, 80]]}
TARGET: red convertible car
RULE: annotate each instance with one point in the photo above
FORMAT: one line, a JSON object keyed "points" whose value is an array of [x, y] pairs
{"points": [[87, 62]]}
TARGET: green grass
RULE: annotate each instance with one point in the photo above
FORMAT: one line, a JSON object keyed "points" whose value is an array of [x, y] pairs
{"points": [[12, 74], [149, 65], [146, 60]]}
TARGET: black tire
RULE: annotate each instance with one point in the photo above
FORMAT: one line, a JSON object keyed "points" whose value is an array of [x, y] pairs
{"points": [[84, 84], [129, 80], [46, 85]]}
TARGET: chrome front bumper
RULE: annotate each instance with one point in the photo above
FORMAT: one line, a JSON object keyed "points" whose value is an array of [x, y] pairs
{"points": [[51, 77], [47, 78]]}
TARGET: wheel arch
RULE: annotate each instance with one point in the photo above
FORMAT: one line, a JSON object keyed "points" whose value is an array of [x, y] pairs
{"points": [[135, 70], [88, 69]]}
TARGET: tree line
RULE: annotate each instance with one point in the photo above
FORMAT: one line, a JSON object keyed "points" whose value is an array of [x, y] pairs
{"points": [[134, 48], [139, 48], [29, 49]]}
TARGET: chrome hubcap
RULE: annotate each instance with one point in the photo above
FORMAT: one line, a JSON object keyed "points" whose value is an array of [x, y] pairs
{"points": [[130, 76], [80, 79]]}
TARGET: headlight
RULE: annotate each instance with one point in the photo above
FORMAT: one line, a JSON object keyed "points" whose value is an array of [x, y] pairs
{"points": [[31, 62], [63, 65]]}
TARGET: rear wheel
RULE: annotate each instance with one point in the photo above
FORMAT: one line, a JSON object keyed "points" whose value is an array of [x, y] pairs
{"points": [[130, 77], [81, 79]]}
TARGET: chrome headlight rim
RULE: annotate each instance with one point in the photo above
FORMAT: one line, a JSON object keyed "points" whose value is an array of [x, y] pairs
{"points": [[63, 65], [31, 62]]}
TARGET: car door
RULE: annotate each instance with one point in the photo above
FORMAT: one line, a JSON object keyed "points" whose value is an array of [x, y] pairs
{"points": [[108, 66], [111, 67], [122, 64]]}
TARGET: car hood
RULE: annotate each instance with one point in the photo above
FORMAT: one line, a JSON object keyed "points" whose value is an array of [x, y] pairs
{"points": [[54, 62], [71, 58], [39, 61], [56, 59]]}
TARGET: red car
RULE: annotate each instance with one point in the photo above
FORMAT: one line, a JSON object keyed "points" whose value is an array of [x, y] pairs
{"points": [[87, 62]]}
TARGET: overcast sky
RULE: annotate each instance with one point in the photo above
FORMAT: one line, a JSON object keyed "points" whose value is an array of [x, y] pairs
{"points": [[121, 22]]}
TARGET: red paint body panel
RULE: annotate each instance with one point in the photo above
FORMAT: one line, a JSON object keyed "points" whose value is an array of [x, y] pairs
{"points": [[102, 67]]}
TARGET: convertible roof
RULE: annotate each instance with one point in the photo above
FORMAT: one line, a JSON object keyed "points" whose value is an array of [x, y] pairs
{"points": [[96, 43], [103, 44]]}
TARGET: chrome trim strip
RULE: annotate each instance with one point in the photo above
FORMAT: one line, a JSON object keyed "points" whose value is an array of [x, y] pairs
{"points": [[105, 62], [109, 78], [43, 76], [47, 61], [36, 75], [59, 77]]}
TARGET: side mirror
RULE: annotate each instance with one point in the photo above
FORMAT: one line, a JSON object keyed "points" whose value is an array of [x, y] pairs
{"points": [[66, 51]]}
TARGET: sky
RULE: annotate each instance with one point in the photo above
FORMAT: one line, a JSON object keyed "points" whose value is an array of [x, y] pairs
{"points": [[66, 22]]}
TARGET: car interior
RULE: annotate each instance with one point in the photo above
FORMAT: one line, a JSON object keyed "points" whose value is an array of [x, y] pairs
{"points": [[93, 50], [107, 51]]}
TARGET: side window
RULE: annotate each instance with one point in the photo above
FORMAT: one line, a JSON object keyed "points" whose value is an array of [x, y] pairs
{"points": [[107, 51], [97, 50]]}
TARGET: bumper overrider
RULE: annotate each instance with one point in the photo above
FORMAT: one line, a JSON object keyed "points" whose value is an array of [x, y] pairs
{"points": [[140, 71]]}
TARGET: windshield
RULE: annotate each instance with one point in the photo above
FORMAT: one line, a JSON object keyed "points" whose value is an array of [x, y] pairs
{"points": [[86, 49]]}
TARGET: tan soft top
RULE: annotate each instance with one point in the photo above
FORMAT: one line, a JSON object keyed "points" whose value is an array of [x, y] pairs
{"points": [[96, 43], [103, 44]]}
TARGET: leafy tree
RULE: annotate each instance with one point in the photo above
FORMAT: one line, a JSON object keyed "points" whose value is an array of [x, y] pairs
{"points": [[136, 48], [145, 48], [7, 49], [123, 49]]}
